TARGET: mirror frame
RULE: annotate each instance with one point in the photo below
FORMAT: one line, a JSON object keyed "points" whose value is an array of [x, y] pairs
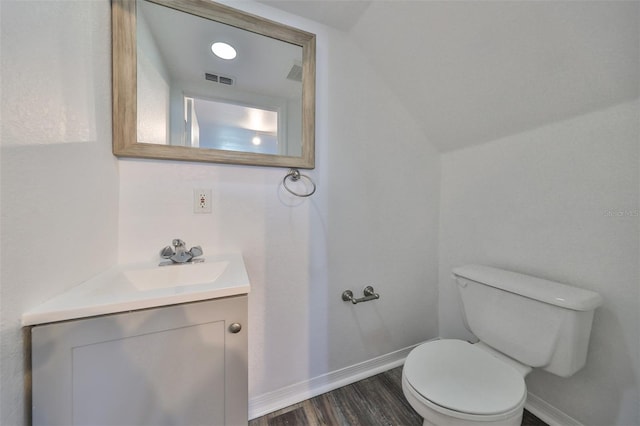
{"points": [[124, 69]]}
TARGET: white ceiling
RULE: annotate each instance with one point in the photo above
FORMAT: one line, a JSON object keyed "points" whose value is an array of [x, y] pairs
{"points": [[474, 71], [184, 41]]}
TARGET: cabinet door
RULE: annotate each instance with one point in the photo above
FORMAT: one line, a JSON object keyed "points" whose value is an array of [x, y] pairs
{"points": [[177, 365]]}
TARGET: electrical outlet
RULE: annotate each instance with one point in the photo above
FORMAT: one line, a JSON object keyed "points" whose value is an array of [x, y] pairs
{"points": [[202, 200]]}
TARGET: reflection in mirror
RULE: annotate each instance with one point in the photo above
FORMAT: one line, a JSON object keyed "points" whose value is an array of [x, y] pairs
{"points": [[222, 125], [254, 107], [262, 75]]}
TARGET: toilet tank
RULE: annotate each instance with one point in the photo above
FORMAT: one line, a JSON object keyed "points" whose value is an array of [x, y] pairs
{"points": [[540, 323]]}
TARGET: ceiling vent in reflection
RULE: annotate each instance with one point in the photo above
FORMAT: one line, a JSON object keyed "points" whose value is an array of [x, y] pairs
{"points": [[295, 73], [222, 79]]}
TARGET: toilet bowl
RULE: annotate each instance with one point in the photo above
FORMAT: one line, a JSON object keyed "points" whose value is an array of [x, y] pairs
{"points": [[452, 382], [521, 322]]}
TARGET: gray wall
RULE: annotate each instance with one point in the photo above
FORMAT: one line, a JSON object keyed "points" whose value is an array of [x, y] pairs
{"points": [[66, 202], [373, 221], [559, 202], [59, 178]]}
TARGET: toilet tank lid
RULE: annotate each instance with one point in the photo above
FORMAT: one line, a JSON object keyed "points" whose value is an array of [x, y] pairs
{"points": [[551, 292]]}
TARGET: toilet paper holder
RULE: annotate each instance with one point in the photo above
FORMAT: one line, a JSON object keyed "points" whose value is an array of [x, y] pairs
{"points": [[369, 294]]}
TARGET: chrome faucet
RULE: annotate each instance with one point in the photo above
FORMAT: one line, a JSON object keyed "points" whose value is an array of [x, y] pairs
{"points": [[179, 254]]}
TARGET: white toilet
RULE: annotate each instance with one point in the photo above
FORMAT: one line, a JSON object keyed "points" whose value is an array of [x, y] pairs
{"points": [[522, 323]]}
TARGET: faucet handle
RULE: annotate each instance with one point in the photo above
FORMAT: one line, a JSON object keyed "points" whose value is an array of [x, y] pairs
{"points": [[196, 251], [167, 252], [178, 243]]}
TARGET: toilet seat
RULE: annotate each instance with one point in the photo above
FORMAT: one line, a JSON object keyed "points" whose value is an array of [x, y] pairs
{"points": [[463, 380]]}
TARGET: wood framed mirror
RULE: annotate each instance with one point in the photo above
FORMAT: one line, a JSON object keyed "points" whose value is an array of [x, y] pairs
{"points": [[174, 99]]}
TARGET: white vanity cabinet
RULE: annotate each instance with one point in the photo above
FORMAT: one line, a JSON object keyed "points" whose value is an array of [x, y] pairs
{"points": [[182, 365]]}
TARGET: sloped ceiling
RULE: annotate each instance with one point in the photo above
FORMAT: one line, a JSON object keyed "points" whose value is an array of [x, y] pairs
{"points": [[472, 72], [340, 14]]}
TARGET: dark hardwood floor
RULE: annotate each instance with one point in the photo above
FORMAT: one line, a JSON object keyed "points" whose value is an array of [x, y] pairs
{"points": [[375, 401]]}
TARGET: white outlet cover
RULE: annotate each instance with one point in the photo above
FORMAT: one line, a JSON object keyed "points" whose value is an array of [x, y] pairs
{"points": [[202, 200]]}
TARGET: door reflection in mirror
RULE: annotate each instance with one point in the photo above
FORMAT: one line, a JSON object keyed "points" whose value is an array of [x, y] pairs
{"points": [[222, 125]]}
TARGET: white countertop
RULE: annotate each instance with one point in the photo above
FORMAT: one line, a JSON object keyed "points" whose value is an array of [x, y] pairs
{"points": [[145, 285]]}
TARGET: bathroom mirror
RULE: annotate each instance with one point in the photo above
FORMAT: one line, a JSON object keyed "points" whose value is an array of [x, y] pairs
{"points": [[174, 98]]}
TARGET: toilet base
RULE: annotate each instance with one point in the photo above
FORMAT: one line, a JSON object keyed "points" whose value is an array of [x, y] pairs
{"points": [[457, 422], [433, 417]]}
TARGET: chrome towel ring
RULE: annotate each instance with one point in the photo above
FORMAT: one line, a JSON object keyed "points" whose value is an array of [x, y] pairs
{"points": [[294, 175]]}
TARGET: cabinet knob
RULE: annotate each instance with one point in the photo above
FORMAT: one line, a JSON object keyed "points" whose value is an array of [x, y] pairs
{"points": [[235, 327]]}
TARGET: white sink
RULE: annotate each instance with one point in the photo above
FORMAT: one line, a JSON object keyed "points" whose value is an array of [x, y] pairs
{"points": [[125, 288], [177, 275]]}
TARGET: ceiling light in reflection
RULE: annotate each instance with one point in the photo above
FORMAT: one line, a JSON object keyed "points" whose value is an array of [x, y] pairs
{"points": [[256, 140], [223, 50]]}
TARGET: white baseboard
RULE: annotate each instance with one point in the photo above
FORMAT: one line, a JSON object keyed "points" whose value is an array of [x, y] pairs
{"points": [[548, 413], [298, 392]]}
